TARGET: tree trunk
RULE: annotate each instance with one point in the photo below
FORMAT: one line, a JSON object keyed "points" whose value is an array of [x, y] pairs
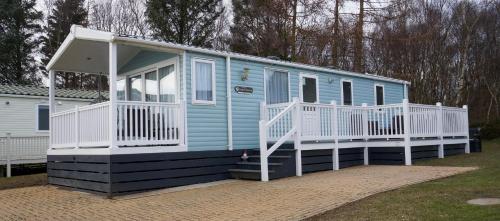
{"points": [[358, 41], [336, 35], [294, 30]]}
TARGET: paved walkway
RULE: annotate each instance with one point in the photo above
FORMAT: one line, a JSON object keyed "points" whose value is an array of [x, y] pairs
{"points": [[292, 198]]}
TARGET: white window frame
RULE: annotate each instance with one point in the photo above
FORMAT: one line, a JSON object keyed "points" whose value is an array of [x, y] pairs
{"points": [[193, 82], [37, 119], [342, 91], [375, 94], [266, 70], [146, 69], [301, 82]]}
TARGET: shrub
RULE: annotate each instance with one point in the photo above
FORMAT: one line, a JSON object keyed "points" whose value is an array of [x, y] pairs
{"points": [[490, 130]]}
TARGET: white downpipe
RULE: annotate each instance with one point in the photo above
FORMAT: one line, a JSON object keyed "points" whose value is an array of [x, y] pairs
{"points": [[229, 105]]}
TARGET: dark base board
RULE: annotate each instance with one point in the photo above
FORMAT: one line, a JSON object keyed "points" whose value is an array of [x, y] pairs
{"points": [[319, 160], [395, 155], [129, 173]]}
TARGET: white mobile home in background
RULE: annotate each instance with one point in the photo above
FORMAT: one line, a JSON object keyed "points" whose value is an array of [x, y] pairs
{"points": [[24, 120]]}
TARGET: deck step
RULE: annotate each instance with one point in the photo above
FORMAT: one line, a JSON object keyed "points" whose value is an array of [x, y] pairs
{"points": [[256, 165]]}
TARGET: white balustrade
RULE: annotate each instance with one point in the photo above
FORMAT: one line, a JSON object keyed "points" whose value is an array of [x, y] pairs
{"points": [[367, 122], [142, 123], [138, 124]]}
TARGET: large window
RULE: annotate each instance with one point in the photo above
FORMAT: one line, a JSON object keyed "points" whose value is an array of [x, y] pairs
{"points": [[277, 90], [346, 92], [158, 83], [120, 89], [379, 95], [42, 115], [167, 83], [135, 88], [151, 84], [203, 82]]}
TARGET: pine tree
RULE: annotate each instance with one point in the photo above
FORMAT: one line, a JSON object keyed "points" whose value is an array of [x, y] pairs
{"points": [[64, 14], [189, 22], [18, 24]]}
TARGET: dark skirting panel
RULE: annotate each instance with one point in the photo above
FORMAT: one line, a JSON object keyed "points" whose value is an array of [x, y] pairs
{"points": [[319, 160], [129, 173], [395, 155], [454, 149]]}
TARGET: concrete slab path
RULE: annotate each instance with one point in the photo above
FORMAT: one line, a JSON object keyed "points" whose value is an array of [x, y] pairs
{"points": [[292, 198]]}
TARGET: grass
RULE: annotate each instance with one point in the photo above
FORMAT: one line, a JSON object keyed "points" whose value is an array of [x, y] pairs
{"points": [[443, 199], [23, 181]]}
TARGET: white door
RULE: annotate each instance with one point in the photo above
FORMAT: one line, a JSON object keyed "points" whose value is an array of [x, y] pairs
{"points": [[309, 93]]}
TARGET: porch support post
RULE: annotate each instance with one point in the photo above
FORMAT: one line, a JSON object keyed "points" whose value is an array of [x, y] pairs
{"points": [[264, 174], [52, 102], [365, 132], [406, 124], [112, 94], [440, 129], [335, 152], [466, 124], [297, 140]]}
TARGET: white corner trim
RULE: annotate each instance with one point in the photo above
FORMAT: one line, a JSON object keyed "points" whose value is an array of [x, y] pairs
{"points": [[229, 104], [195, 101]]}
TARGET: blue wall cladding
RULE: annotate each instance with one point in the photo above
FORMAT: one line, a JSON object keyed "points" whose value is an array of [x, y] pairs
{"points": [[246, 107], [207, 124]]}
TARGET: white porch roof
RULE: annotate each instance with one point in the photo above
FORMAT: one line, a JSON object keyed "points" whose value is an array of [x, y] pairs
{"points": [[86, 50]]}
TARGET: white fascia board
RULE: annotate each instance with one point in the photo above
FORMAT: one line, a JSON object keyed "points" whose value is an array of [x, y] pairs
{"points": [[45, 97], [70, 38], [256, 59], [78, 32]]}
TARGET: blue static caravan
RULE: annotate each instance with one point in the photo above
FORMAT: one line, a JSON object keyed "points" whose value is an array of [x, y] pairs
{"points": [[180, 115]]}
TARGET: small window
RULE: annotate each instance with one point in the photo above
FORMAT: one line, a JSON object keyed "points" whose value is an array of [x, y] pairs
{"points": [[379, 94], [203, 81], [42, 118], [346, 93], [277, 87]]}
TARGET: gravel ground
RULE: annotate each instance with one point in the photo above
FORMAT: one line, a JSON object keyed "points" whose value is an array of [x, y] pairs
{"points": [[292, 198]]}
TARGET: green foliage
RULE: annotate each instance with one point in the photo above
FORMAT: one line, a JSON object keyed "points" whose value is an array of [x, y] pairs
{"points": [[490, 130], [189, 22], [18, 43], [64, 14]]}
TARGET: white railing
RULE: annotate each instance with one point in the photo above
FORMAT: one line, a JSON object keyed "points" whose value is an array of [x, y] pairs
{"points": [[320, 122], [24, 149], [138, 124], [331, 123], [455, 121], [141, 123], [93, 125], [283, 125], [62, 129]]}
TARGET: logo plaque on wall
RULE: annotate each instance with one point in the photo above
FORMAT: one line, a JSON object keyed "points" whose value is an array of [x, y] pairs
{"points": [[243, 90]]}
